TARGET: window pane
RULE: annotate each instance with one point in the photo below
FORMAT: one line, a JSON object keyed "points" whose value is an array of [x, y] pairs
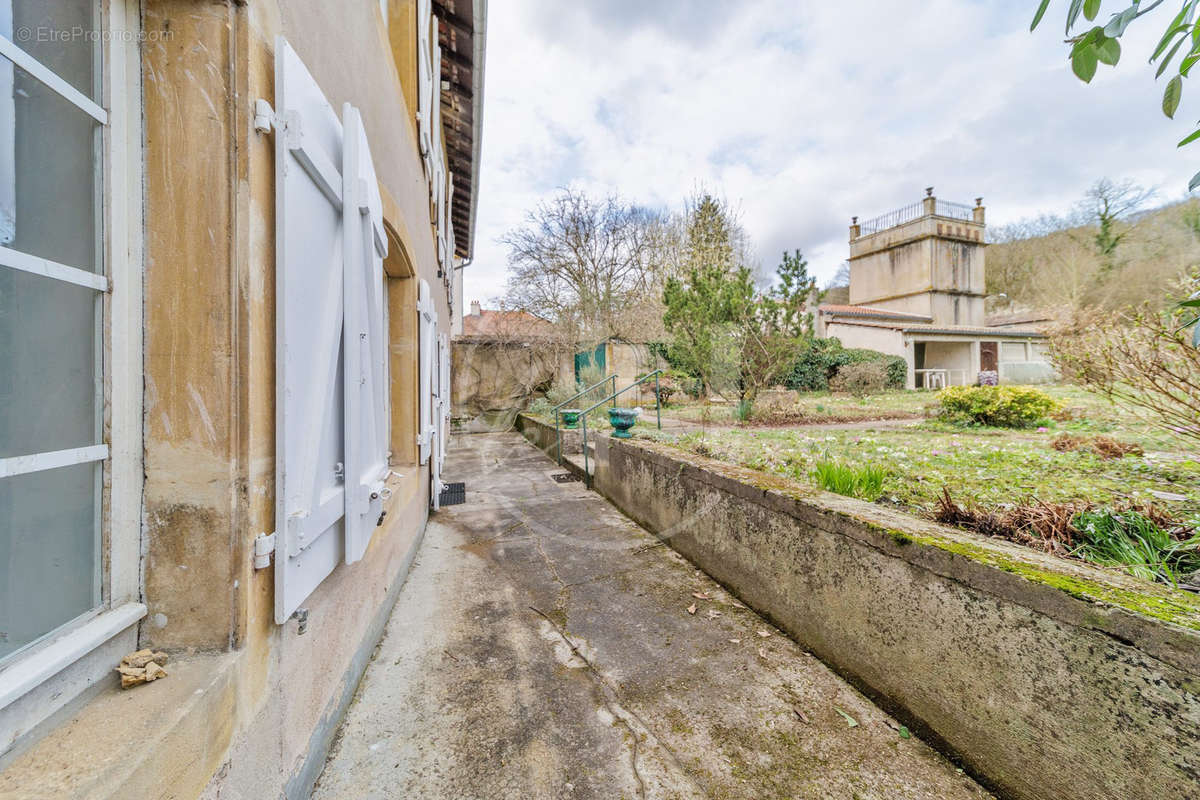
{"points": [[48, 181], [62, 34], [48, 394], [49, 544], [1012, 351]]}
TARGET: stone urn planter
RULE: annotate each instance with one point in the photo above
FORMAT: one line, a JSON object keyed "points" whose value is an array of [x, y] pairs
{"points": [[622, 420], [570, 417]]}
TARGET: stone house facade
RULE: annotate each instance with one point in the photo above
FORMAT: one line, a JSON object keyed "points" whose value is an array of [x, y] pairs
{"points": [[231, 241], [917, 291]]}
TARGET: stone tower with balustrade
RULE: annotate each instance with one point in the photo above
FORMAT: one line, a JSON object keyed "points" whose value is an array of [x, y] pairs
{"points": [[926, 258]]}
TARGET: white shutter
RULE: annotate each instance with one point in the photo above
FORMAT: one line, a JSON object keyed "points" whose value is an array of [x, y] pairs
{"points": [[425, 81], [444, 372], [309, 499], [425, 324], [449, 222], [436, 449], [366, 414]]}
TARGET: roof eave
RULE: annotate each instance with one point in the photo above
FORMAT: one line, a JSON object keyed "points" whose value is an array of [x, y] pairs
{"points": [[479, 55]]}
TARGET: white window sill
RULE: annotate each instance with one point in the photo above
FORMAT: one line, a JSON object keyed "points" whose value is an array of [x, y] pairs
{"points": [[45, 662]]}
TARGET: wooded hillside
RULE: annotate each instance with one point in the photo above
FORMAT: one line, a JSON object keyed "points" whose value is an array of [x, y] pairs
{"points": [[1101, 255]]}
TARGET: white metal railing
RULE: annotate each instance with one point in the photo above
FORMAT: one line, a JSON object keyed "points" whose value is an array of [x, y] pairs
{"points": [[940, 378]]}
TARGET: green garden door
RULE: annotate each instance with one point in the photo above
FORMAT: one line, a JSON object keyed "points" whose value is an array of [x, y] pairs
{"points": [[591, 360]]}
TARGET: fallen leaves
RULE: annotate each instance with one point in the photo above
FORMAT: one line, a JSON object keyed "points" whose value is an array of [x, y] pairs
{"points": [[851, 722], [764, 634], [692, 609], [702, 595], [801, 715]]}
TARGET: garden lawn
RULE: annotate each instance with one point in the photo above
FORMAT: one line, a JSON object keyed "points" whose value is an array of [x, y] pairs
{"points": [[987, 466], [810, 408]]}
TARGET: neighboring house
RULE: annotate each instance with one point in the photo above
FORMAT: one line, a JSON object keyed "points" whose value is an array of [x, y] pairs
{"points": [[502, 361], [505, 324], [917, 291], [231, 235]]}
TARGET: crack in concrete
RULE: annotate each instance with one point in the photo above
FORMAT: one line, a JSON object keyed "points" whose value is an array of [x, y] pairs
{"points": [[615, 709], [611, 699], [564, 590]]}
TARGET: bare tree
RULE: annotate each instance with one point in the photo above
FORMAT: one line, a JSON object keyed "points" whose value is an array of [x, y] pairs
{"points": [[841, 277], [837, 291], [592, 265], [1108, 205], [1142, 358]]}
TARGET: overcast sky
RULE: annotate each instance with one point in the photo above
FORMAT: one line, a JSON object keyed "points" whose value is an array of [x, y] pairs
{"points": [[803, 114]]}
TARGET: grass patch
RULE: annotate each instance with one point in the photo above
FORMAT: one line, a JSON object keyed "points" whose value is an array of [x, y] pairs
{"points": [[1137, 543], [1143, 540], [865, 481]]}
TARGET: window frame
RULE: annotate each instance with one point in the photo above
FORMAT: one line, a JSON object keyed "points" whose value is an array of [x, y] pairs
{"points": [[41, 678]]}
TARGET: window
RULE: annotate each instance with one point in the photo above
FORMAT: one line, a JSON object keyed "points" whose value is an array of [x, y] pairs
{"points": [[1012, 351], [70, 348], [52, 284]]}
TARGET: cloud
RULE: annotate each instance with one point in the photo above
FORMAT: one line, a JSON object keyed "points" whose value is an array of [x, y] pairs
{"points": [[803, 114]]}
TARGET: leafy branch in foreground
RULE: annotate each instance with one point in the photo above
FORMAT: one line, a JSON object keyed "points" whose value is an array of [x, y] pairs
{"points": [[1100, 44]]}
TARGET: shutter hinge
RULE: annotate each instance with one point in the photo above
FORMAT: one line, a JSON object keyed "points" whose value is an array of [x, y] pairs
{"points": [[264, 546], [264, 116]]}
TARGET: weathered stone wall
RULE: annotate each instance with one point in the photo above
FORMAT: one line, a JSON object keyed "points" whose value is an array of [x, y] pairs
{"points": [[1049, 679], [492, 380], [251, 706], [627, 360]]}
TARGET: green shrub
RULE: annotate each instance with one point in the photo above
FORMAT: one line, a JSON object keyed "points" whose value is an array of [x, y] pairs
{"points": [[895, 366], [999, 406], [862, 379], [558, 393], [820, 360], [1132, 540], [815, 365], [865, 481], [541, 407]]}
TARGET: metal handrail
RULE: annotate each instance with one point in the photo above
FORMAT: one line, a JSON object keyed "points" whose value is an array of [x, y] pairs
{"points": [[583, 415], [571, 399]]}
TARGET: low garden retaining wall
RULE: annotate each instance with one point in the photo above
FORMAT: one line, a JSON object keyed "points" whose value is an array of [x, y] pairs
{"points": [[1048, 679], [542, 436]]}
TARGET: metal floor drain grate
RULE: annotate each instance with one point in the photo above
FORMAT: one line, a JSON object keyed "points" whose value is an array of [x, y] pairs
{"points": [[453, 494], [564, 477]]}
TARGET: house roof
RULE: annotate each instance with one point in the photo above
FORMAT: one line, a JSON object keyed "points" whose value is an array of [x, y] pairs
{"points": [[462, 36], [506, 324], [1018, 318], [974, 330], [948, 330], [870, 312]]}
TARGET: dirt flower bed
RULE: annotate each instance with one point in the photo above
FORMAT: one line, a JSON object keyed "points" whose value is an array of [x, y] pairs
{"points": [[1142, 538], [1103, 446]]}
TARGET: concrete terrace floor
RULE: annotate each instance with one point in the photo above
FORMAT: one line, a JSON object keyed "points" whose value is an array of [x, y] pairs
{"points": [[542, 648]]}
